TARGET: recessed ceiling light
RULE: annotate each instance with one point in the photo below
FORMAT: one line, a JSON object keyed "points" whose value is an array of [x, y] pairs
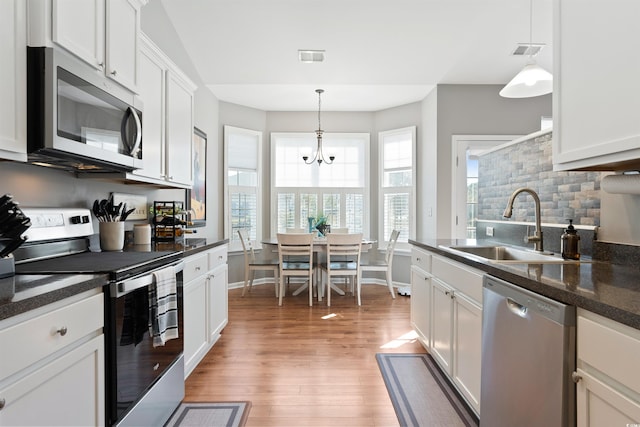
{"points": [[527, 49], [308, 56]]}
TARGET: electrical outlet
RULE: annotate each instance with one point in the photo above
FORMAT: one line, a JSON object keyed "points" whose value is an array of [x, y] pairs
{"points": [[489, 231]]}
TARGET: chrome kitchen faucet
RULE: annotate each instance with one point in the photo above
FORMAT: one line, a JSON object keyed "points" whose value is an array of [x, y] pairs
{"points": [[537, 237]]}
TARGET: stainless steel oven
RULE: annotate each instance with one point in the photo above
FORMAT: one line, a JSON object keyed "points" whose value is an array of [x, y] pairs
{"points": [[144, 382], [77, 118]]}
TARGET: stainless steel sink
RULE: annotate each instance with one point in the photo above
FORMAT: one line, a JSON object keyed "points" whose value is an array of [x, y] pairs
{"points": [[506, 254]]}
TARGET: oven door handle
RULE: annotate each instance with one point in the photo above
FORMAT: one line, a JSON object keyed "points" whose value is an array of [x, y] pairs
{"points": [[128, 286]]}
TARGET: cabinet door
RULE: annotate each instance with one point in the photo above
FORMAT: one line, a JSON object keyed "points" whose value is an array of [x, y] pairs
{"points": [[13, 84], [442, 323], [78, 26], [195, 322], [596, 90], [151, 89], [122, 29], [179, 130], [36, 399], [599, 405], [467, 351], [420, 305], [218, 302]]}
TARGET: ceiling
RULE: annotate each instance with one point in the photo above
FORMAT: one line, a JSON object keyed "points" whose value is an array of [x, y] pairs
{"points": [[379, 53]]}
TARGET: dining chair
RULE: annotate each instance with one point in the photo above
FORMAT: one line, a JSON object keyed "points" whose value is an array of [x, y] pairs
{"points": [[385, 265], [297, 230], [343, 260], [295, 253], [344, 230], [251, 264]]}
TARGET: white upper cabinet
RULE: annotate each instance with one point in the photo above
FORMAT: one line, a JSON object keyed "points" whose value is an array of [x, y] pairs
{"points": [[179, 129], [123, 41], [167, 125], [103, 33], [13, 84], [596, 93]]}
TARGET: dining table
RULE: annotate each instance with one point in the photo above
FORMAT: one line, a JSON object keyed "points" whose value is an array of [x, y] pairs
{"points": [[319, 246]]}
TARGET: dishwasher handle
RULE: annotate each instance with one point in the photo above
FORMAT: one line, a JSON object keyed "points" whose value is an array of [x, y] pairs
{"points": [[516, 308]]}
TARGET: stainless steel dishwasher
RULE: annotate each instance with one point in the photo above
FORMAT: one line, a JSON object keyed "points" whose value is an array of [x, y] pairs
{"points": [[528, 355]]}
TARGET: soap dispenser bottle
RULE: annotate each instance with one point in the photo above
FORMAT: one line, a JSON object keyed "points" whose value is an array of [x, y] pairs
{"points": [[570, 243]]}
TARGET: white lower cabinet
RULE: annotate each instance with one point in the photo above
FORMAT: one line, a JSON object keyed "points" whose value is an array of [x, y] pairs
{"points": [[446, 313], [205, 303], [55, 376], [196, 343], [607, 376], [467, 348], [421, 295], [420, 303], [442, 324]]}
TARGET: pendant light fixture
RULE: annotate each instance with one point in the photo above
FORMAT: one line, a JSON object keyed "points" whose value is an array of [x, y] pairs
{"points": [[532, 80], [319, 156]]}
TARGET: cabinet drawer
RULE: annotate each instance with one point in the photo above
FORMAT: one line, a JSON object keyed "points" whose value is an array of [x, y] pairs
{"points": [[459, 276], [600, 338], [27, 342], [421, 259], [217, 257], [194, 266]]}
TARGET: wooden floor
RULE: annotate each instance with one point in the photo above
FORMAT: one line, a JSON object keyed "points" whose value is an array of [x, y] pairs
{"points": [[306, 366]]}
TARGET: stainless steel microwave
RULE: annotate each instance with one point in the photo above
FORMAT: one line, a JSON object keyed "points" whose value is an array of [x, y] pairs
{"points": [[77, 118]]}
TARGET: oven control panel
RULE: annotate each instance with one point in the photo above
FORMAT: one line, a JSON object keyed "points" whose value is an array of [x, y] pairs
{"points": [[57, 223]]}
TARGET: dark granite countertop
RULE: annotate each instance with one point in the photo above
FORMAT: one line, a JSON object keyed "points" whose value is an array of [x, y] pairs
{"points": [[22, 292], [611, 290]]}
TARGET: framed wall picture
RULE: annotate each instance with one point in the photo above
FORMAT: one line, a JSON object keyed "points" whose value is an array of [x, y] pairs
{"points": [[197, 196]]}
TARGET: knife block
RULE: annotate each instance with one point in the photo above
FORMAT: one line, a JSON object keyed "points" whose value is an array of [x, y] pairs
{"points": [[7, 267]]}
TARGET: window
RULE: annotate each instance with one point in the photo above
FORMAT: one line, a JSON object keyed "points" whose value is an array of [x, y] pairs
{"points": [[338, 191], [242, 184], [397, 183]]}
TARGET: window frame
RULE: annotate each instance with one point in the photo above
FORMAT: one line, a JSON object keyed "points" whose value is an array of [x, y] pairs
{"points": [[343, 191], [411, 189], [228, 131]]}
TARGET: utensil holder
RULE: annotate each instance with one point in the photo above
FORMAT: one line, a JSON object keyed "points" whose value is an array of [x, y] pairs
{"points": [[112, 236]]}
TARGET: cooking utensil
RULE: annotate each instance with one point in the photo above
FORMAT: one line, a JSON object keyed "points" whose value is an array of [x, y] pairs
{"points": [[126, 214]]}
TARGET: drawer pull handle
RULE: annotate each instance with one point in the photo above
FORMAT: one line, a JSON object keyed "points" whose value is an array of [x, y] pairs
{"points": [[114, 73], [576, 377], [62, 331], [197, 268], [2, 403]]}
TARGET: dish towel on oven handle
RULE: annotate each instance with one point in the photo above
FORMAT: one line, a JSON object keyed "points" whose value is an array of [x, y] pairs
{"points": [[163, 306]]}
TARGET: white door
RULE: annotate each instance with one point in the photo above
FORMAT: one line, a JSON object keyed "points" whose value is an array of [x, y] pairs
{"points": [[442, 324], [78, 26], [179, 131], [465, 152], [467, 349]]}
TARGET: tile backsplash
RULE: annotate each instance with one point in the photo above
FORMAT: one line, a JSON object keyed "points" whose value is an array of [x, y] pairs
{"points": [[563, 195]]}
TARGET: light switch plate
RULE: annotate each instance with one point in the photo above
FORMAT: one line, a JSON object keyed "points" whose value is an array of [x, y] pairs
{"points": [[490, 231]]}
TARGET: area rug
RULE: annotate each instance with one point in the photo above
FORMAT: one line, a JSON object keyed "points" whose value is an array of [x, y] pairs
{"points": [[420, 394], [219, 414]]}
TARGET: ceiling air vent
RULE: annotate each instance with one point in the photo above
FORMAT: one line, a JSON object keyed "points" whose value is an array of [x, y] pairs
{"points": [[309, 56], [527, 49]]}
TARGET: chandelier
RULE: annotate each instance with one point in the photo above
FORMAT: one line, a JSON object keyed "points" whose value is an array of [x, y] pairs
{"points": [[319, 156]]}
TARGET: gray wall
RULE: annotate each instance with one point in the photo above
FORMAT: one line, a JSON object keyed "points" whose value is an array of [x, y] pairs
{"points": [[467, 110]]}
